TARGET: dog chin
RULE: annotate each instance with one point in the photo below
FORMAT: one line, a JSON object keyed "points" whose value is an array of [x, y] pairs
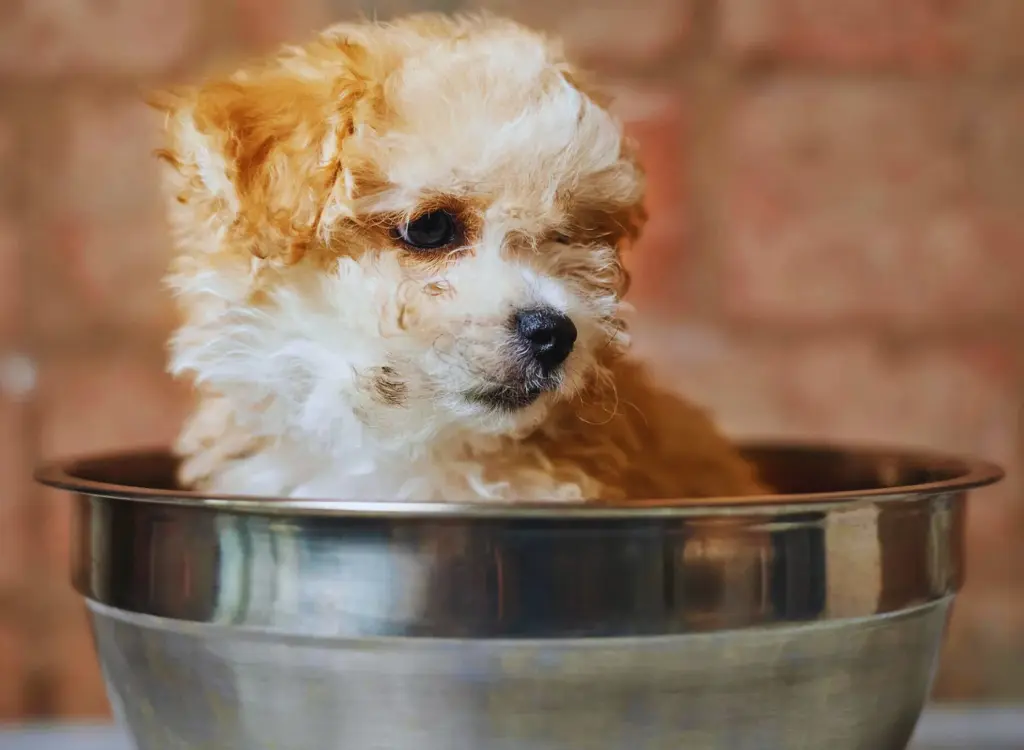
{"points": [[510, 398]]}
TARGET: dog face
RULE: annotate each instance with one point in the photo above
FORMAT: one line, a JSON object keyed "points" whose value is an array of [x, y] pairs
{"points": [[408, 229]]}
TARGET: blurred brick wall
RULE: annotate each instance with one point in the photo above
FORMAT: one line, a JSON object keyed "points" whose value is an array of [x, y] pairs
{"points": [[836, 250]]}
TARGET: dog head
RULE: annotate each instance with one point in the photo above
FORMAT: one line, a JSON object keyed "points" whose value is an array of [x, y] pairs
{"points": [[406, 228]]}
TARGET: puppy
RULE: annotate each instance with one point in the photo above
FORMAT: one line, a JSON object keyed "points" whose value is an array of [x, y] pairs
{"points": [[399, 277]]}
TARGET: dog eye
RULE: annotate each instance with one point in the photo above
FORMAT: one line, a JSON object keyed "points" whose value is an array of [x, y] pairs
{"points": [[431, 231]]}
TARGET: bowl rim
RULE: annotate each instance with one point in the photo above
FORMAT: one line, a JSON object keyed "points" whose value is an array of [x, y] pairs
{"points": [[969, 473]]}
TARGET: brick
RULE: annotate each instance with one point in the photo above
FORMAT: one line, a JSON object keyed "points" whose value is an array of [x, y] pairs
{"points": [[601, 33], [387, 9], [108, 245], [606, 34], [854, 33], [11, 280], [852, 387], [857, 201], [982, 655], [915, 35], [997, 140], [12, 669], [264, 24], [14, 541], [658, 122], [8, 151], [14, 546], [105, 277], [79, 691], [54, 37], [110, 170], [107, 400], [60, 656], [10, 240], [994, 34], [15, 549]]}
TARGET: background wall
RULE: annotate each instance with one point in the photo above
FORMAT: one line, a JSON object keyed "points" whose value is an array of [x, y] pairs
{"points": [[836, 250]]}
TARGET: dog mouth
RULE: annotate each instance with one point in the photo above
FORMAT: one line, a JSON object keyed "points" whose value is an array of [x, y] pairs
{"points": [[507, 398]]}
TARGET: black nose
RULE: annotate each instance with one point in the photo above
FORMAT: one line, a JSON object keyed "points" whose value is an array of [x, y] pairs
{"points": [[550, 335]]}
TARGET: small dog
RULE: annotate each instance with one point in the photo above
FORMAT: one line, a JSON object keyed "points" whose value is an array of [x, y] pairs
{"points": [[399, 277]]}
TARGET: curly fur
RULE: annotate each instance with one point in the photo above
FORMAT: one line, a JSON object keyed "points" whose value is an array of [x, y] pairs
{"points": [[330, 360]]}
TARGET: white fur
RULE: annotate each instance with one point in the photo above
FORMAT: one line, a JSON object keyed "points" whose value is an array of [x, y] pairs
{"points": [[295, 376]]}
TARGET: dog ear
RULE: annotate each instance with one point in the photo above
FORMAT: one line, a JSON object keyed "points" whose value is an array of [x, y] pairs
{"points": [[257, 154], [635, 217], [630, 220]]}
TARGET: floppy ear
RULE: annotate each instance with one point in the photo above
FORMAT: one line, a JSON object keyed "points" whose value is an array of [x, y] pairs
{"points": [[255, 156], [630, 218], [635, 217]]}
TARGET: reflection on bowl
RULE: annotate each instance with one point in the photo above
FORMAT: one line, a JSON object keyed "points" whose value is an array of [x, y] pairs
{"points": [[803, 620]]}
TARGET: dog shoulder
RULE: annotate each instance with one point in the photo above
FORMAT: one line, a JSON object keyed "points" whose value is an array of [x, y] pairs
{"points": [[645, 441]]}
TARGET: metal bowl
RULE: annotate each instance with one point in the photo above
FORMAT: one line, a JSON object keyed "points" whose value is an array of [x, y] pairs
{"points": [[803, 620]]}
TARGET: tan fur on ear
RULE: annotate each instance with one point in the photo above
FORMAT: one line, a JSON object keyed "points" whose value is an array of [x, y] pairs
{"points": [[257, 153], [586, 83], [630, 222]]}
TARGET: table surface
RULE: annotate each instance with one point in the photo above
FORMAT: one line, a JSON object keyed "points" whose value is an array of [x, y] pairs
{"points": [[940, 729]]}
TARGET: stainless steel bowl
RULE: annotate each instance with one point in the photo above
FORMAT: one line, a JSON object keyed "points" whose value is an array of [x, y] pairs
{"points": [[804, 620]]}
